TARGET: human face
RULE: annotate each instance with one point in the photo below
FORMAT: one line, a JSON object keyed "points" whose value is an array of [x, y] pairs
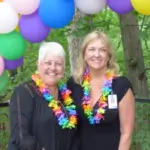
{"points": [[96, 55], [51, 69]]}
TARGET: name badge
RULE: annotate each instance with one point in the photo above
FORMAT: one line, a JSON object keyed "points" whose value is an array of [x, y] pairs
{"points": [[112, 101]]}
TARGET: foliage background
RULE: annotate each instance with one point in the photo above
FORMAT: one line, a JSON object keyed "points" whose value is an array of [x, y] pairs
{"points": [[108, 22]]}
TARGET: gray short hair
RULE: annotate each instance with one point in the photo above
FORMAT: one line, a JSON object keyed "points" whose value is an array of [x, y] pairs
{"points": [[51, 48]]}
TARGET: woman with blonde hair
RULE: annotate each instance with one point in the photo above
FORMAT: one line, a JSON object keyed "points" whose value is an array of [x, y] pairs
{"points": [[104, 99]]}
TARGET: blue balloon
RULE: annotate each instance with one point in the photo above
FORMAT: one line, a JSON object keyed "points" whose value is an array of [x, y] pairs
{"points": [[56, 13]]}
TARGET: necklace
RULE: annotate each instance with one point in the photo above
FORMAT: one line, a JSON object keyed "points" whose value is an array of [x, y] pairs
{"points": [[95, 115], [66, 117]]}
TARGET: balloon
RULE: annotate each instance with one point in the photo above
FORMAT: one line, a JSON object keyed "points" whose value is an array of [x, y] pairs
{"points": [[8, 18], [12, 45], [56, 13], [120, 6], [13, 64], [1, 0], [24, 7], [4, 80], [1, 65], [17, 28], [32, 28], [141, 6], [90, 6]]}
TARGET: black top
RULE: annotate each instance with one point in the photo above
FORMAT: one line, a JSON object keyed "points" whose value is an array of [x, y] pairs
{"points": [[106, 134], [38, 123]]}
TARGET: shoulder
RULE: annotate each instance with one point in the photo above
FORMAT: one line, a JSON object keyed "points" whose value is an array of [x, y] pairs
{"points": [[73, 86], [76, 90], [121, 85], [71, 82], [122, 81], [22, 89], [21, 86], [22, 97]]}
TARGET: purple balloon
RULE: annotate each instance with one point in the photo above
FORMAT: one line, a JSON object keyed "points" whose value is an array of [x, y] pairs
{"points": [[13, 64], [32, 28], [120, 6]]}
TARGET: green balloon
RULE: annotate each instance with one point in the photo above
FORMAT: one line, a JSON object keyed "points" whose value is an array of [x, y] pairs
{"points": [[12, 45], [4, 81]]}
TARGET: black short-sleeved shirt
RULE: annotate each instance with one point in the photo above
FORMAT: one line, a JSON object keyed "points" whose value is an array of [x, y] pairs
{"points": [[106, 134], [39, 125]]}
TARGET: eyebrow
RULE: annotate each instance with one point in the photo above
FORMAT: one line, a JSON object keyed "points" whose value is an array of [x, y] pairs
{"points": [[52, 60], [91, 47], [94, 47]]}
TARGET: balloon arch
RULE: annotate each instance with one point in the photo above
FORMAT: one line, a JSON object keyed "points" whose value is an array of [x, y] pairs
{"points": [[31, 20]]}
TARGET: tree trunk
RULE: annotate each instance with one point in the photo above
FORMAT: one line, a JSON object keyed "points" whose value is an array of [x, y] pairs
{"points": [[133, 53], [74, 42]]}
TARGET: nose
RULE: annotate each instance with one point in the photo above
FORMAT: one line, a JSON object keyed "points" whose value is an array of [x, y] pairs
{"points": [[52, 67], [97, 53]]}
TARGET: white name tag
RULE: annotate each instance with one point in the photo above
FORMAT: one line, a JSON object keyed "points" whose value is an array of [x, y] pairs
{"points": [[112, 101]]}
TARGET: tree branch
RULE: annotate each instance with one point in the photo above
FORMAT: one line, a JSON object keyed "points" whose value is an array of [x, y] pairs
{"points": [[141, 76]]}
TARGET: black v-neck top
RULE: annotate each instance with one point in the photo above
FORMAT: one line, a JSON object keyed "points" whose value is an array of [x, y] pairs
{"points": [[38, 123], [106, 134]]}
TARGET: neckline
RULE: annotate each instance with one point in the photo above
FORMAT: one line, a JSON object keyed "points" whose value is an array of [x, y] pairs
{"points": [[94, 115]]}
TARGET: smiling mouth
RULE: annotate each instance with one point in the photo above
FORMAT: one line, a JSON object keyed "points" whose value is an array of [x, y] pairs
{"points": [[97, 61], [51, 74]]}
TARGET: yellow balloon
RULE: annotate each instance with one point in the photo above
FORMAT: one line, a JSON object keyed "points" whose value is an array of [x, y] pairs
{"points": [[17, 28], [141, 6], [1, 0]]}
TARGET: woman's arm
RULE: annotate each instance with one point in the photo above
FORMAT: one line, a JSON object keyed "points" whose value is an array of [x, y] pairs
{"points": [[20, 120], [126, 113]]}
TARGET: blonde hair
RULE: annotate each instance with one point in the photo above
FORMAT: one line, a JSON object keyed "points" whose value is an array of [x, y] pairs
{"points": [[81, 66]]}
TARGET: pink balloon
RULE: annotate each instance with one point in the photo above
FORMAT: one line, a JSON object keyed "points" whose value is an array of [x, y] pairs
{"points": [[1, 65], [24, 7]]}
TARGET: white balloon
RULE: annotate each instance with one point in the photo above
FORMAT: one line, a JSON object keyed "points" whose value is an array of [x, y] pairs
{"points": [[8, 18], [24, 7], [90, 6]]}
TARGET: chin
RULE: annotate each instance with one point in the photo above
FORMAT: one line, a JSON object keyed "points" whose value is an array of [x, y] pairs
{"points": [[51, 83], [96, 67]]}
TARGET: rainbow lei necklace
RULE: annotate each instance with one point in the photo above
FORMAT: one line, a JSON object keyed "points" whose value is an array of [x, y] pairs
{"points": [[94, 116], [67, 119]]}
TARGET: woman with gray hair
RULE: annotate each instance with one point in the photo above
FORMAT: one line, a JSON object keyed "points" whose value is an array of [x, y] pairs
{"points": [[42, 113]]}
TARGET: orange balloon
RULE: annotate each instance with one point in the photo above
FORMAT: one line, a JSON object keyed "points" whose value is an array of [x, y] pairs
{"points": [[1, 0]]}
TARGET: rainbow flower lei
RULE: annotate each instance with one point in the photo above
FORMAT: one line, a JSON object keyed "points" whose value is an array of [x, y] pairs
{"points": [[67, 118], [94, 116]]}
